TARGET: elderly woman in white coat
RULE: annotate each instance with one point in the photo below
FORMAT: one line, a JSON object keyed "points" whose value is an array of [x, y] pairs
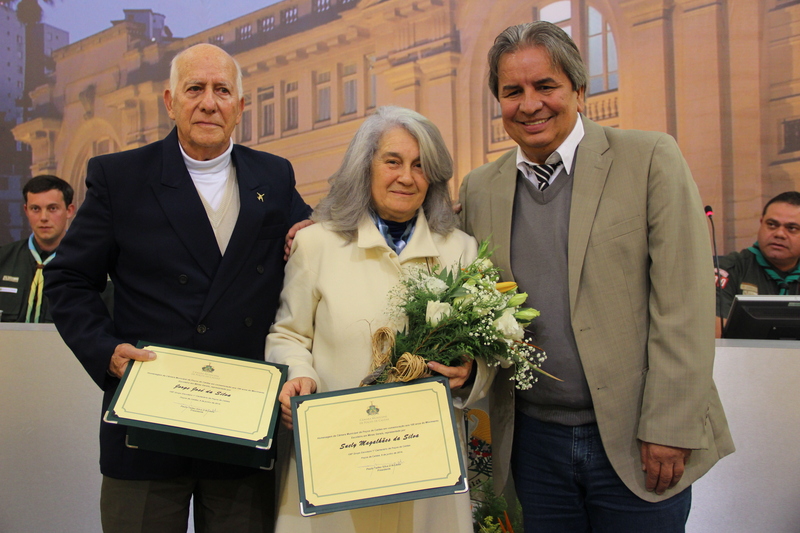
{"points": [[388, 207]]}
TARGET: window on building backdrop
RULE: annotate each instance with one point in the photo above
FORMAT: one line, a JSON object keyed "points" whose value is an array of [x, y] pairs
{"points": [[266, 24], [266, 110], [246, 124], [323, 80], [291, 115], [321, 5], [244, 32], [289, 16], [101, 146], [791, 135], [559, 13], [349, 89], [602, 51], [498, 131]]}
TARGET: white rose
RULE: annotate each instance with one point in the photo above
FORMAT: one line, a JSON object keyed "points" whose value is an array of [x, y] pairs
{"points": [[436, 311], [508, 326]]}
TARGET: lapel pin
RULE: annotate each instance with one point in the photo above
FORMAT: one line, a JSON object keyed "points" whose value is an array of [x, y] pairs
{"points": [[260, 196]]}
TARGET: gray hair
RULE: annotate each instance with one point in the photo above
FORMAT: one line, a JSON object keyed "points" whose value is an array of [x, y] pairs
{"points": [[564, 54], [350, 196], [174, 74]]}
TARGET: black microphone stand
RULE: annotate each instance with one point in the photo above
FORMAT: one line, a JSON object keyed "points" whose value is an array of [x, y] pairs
{"points": [[710, 215]]}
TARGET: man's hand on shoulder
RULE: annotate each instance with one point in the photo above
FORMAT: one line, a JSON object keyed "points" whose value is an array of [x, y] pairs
{"points": [[663, 465], [287, 248], [124, 353]]}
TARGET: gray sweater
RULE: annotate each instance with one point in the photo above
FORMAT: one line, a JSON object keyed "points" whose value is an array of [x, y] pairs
{"points": [[539, 236]]}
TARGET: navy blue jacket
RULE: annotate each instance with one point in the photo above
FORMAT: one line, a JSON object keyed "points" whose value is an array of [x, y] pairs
{"points": [[144, 224]]}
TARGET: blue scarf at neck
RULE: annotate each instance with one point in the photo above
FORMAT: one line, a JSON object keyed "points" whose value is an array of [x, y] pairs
{"points": [[396, 234]]}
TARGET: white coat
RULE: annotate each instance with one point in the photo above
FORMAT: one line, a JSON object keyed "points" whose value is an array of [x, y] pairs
{"points": [[334, 297]]}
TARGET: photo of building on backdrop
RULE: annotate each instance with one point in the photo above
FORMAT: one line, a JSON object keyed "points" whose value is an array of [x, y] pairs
{"points": [[84, 78], [717, 76]]}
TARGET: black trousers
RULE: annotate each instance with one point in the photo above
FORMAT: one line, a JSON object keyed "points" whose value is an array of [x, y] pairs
{"points": [[244, 505]]}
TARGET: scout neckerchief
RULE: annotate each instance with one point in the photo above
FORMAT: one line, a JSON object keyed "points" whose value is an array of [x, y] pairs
{"points": [[783, 282], [35, 294]]}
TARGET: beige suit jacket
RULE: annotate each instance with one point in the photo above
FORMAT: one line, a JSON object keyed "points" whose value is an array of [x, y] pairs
{"points": [[641, 298]]}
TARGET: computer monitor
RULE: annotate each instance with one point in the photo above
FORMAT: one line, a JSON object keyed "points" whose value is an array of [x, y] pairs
{"points": [[764, 317]]}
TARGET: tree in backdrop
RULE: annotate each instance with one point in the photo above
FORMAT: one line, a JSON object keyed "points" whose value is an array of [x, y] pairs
{"points": [[15, 162], [29, 13]]}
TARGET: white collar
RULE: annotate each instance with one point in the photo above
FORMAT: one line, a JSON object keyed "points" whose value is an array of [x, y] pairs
{"points": [[565, 152], [212, 166]]}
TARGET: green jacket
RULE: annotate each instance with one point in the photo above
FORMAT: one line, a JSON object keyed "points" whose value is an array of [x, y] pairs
{"points": [[17, 267]]}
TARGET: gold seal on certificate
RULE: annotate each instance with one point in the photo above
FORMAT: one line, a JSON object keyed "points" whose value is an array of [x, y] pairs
{"points": [[376, 445], [198, 395]]}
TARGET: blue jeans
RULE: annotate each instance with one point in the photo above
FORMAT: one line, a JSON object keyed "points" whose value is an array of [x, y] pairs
{"points": [[567, 485]]}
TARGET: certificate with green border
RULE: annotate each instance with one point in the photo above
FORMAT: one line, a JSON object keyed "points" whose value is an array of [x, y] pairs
{"points": [[200, 394], [376, 445]]}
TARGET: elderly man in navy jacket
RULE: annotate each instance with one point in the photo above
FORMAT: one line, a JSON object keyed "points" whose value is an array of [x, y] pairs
{"points": [[190, 229]]}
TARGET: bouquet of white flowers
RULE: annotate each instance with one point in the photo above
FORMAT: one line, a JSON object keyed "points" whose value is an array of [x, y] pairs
{"points": [[448, 314]]}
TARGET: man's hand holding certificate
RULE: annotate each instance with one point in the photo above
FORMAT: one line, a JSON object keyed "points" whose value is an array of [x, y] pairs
{"points": [[200, 395]]}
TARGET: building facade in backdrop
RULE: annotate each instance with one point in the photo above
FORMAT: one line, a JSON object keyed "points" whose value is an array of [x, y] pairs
{"points": [[720, 76]]}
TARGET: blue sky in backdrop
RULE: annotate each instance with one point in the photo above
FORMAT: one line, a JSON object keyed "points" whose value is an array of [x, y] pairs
{"points": [[82, 18]]}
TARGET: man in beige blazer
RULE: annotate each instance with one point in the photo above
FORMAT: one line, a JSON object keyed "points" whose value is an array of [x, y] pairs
{"points": [[611, 244]]}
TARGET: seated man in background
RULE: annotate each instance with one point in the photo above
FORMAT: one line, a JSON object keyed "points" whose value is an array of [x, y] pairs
{"points": [[770, 265], [49, 207]]}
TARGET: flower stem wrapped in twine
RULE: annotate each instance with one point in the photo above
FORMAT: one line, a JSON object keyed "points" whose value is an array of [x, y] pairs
{"points": [[407, 367]]}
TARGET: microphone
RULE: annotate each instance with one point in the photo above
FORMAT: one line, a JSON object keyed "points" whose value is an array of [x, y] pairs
{"points": [[710, 215]]}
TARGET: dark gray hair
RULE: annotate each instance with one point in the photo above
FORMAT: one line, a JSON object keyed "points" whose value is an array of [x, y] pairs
{"points": [[48, 182], [174, 74], [350, 196], [563, 52], [788, 197]]}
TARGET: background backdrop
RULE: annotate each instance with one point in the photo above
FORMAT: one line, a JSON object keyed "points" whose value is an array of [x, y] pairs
{"points": [[718, 75]]}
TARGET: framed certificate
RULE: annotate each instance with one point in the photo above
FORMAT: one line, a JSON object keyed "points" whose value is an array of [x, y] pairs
{"points": [[201, 405], [375, 445]]}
